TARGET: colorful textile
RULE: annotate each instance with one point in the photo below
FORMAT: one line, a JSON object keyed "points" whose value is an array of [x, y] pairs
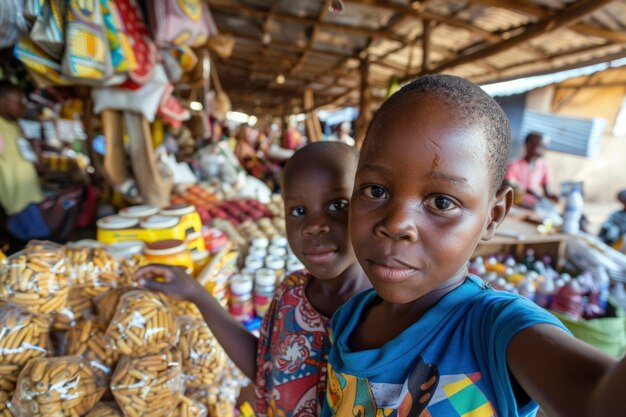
{"points": [[141, 43], [49, 28], [87, 50], [451, 362], [532, 176], [292, 353], [122, 56], [181, 22], [19, 183], [40, 63]]}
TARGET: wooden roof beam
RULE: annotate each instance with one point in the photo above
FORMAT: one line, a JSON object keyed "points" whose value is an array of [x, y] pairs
{"points": [[532, 9], [337, 27], [567, 16], [314, 31], [424, 14]]}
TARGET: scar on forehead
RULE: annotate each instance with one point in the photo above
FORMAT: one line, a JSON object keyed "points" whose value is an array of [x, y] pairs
{"points": [[435, 164], [436, 158]]}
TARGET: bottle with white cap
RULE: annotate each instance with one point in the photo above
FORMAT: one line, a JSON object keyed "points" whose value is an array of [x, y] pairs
{"points": [[264, 287], [276, 264], [241, 305]]}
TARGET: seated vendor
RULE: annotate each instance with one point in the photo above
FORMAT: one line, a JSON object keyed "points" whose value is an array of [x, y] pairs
{"points": [[531, 174], [20, 192]]}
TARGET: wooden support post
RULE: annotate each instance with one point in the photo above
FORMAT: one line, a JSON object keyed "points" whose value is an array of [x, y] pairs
{"points": [[314, 130], [365, 109], [425, 44]]}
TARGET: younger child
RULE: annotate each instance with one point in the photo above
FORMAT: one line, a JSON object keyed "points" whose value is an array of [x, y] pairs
{"points": [[288, 362], [429, 339], [614, 228]]}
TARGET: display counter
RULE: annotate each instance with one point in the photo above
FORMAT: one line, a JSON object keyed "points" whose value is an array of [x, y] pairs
{"points": [[519, 232]]}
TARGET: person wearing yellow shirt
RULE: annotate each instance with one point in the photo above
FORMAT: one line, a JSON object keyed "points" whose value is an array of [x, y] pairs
{"points": [[20, 191]]}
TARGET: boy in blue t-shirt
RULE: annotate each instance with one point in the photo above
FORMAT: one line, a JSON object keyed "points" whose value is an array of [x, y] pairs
{"points": [[429, 339]]}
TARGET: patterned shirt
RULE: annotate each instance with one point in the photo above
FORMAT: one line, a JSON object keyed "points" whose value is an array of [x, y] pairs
{"points": [[292, 353], [449, 363]]}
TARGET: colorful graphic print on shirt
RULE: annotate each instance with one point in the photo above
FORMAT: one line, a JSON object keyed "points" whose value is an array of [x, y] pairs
{"points": [[425, 393]]}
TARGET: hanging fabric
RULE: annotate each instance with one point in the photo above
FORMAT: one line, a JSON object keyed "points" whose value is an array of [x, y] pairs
{"points": [[32, 9], [122, 56], [87, 55], [176, 22], [13, 25], [49, 29], [143, 47], [46, 70]]}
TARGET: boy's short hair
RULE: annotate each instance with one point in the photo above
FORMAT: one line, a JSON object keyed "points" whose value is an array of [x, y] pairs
{"points": [[474, 104], [323, 150], [621, 196]]}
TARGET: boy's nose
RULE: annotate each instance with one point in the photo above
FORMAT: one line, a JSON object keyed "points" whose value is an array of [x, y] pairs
{"points": [[315, 227], [399, 224]]}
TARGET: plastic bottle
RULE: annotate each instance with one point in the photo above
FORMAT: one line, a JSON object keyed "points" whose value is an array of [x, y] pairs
{"points": [[602, 281], [545, 292], [527, 289], [573, 212], [241, 306], [569, 300], [529, 259], [264, 287]]}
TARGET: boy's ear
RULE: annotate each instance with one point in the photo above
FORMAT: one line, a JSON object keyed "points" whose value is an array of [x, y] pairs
{"points": [[501, 204]]}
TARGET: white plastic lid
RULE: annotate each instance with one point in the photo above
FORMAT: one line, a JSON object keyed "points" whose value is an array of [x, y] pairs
{"points": [[178, 210], [86, 243], [254, 264], [117, 223], [257, 252], [277, 251], [294, 264], [280, 241], [166, 247], [199, 255], [275, 263], [265, 277], [241, 284], [159, 222], [260, 242], [126, 249], [139, 211]]}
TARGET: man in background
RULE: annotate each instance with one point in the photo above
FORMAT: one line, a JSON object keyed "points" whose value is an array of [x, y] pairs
{"points": [[20, 191], [531, 174]]}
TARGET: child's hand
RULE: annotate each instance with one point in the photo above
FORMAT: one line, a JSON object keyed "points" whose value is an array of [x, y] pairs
{"points": [[170, 280]]}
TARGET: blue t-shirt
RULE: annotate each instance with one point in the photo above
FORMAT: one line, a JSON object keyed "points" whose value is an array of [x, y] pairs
{"points": [[451, 362]]}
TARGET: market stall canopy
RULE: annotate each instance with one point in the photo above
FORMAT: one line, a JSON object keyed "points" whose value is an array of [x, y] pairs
{"points": [[284, 47]]}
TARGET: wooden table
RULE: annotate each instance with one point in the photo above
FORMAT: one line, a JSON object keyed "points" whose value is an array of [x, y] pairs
{"points": [[516, 234]]}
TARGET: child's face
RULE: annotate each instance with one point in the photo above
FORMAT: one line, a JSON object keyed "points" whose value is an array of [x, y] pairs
{"points": [[316, 212], [422, 199]]}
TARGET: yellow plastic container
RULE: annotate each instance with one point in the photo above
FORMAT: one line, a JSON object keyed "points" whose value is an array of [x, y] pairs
{"points": [[200, 260], [195, 242], [153, 229], [170, 252], [189, 217]]}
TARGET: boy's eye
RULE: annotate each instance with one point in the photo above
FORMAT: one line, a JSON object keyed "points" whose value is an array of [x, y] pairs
{"points": [[297, 212], [338, 205], [375, 191], [441, 203]]}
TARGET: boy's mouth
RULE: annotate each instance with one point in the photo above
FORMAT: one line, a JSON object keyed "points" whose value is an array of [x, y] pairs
{"points": [[319, 255], [391, 271]]}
